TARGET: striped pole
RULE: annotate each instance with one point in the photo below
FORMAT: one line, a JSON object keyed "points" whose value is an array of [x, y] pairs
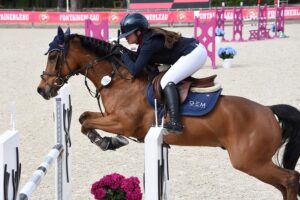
{"points": [[37, 176]]}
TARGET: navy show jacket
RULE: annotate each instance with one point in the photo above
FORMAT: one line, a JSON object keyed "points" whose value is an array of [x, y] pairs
{"points": [[152, 50]]}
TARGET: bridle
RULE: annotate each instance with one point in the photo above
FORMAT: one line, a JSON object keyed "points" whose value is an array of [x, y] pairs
{"points": [[60, 80], [59, 61]]}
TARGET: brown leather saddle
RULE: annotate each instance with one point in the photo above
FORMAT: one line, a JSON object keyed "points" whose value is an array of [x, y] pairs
{"points": [[183, 87]]}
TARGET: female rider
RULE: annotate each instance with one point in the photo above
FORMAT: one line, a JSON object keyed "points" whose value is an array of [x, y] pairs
{"points": [[157, 45]]}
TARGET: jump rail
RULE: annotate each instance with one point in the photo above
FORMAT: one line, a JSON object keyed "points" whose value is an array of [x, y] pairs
{"points": [[37, 176], [10, 167]]}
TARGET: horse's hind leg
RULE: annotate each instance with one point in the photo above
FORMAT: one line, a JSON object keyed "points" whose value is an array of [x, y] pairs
{"points": [[285, 180]]}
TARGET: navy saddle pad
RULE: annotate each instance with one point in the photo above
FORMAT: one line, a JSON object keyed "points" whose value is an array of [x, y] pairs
{"points": [[196, 104]]}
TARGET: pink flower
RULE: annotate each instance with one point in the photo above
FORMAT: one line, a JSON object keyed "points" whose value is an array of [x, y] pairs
{"points": [[116, 186], [98, 192], [133, 196], [132, 189]]}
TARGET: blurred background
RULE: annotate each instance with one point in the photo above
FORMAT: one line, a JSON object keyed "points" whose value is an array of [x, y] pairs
{"points": [[101, 5]]}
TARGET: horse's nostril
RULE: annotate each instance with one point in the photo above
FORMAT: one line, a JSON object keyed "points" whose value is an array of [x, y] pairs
{"points": [[39, 90]]}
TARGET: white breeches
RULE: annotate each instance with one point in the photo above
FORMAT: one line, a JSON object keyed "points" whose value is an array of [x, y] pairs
{"points": [[185, 66]]}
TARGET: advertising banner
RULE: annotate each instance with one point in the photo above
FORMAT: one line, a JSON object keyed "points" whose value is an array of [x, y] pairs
{"points": [[114, 18]]}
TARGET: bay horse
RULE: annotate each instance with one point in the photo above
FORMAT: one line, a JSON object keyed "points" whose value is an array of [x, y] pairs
{"points": [[251, 133]]}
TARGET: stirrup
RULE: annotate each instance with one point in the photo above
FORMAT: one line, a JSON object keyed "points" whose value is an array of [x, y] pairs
{"points": [[174, 127]]}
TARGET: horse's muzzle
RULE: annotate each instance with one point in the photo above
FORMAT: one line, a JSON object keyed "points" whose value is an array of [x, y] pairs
{"points": [[47, 92]]}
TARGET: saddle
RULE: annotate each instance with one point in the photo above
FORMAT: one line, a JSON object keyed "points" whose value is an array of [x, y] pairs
{"points": [[183, 87]]}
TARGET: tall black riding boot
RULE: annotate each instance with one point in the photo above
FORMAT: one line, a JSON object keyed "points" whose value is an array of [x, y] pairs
{"points": [[172, 100]]}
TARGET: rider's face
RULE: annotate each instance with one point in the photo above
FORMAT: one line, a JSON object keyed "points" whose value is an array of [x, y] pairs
{"points": [[133, 38]]}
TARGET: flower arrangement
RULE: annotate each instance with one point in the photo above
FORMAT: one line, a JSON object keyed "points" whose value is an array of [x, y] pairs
{"points": [[219, 32], [116, 187], [226, 52]]}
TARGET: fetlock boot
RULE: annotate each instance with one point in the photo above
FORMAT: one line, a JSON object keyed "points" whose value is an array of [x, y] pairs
{"points": [[172, 101], [107, 143]]}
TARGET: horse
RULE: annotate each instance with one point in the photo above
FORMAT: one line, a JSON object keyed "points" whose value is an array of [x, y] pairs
{"points": [[250, 132]]}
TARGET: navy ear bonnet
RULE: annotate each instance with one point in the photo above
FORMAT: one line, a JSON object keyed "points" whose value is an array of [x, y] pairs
{"points": [[58, 42]]}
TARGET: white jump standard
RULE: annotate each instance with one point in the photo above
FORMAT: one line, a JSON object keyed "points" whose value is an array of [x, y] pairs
{"points": [[156, 178]]}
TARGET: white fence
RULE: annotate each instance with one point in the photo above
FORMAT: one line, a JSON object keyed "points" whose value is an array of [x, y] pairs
{"points": [[10, 166]]}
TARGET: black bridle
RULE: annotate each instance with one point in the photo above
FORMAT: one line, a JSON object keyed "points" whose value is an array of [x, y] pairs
{"points": [[60, 80]]}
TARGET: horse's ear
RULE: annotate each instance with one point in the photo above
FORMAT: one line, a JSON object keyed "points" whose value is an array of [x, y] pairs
{"points": [[60, 35], [68, 31]]}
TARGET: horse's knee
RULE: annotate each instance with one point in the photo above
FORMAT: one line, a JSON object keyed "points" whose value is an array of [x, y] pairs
{"points": [[83, 116], [84, 127]]}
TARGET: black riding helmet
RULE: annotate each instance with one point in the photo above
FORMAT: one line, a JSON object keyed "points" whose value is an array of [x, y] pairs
{"points": [[133, 22]]}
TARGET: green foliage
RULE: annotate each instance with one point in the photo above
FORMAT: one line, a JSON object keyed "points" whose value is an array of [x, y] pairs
{"points": [[117, 194]]}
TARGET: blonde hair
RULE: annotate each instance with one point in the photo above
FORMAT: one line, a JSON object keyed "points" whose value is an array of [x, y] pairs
{"points": [[171, 37]]}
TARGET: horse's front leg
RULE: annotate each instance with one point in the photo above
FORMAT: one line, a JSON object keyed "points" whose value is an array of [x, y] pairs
{"points": [[89, 115], [105, 143]]}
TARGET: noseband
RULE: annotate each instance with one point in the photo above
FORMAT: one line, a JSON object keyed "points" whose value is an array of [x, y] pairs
{"points": [[59, 80]]}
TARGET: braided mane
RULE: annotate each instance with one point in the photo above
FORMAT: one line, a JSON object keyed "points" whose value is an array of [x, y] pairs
{"points": [[97, 46], [101, 47]]}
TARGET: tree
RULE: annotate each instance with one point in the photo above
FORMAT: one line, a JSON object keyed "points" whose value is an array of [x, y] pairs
{"points": [[60, 4], [75, 5]]}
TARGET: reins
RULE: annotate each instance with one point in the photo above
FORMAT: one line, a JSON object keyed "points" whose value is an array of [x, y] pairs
{"points": [[112, 56], [114, 72]]}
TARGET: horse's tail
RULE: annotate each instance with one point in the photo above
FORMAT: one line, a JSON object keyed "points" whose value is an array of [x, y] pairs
{"points": [[290, 120]]}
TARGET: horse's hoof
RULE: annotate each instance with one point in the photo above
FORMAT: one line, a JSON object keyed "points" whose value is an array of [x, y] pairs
{"points": [[103, 144], [119, 141], [115, 142], [107, 143], [96, 138]]}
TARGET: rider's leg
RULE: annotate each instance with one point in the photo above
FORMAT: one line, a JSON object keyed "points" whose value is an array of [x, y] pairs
{"points": [[183, 68], [172, 100]]}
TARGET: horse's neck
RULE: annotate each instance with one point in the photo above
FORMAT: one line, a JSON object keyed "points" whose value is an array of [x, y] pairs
{"points": [[122, 88]]}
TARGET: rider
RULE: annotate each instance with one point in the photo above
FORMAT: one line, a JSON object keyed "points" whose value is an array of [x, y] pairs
{"points": [[157, 45]]}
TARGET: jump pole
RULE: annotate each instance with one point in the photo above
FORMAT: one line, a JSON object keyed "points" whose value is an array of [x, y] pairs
{"points": [[41, 171], [156, 177]]}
